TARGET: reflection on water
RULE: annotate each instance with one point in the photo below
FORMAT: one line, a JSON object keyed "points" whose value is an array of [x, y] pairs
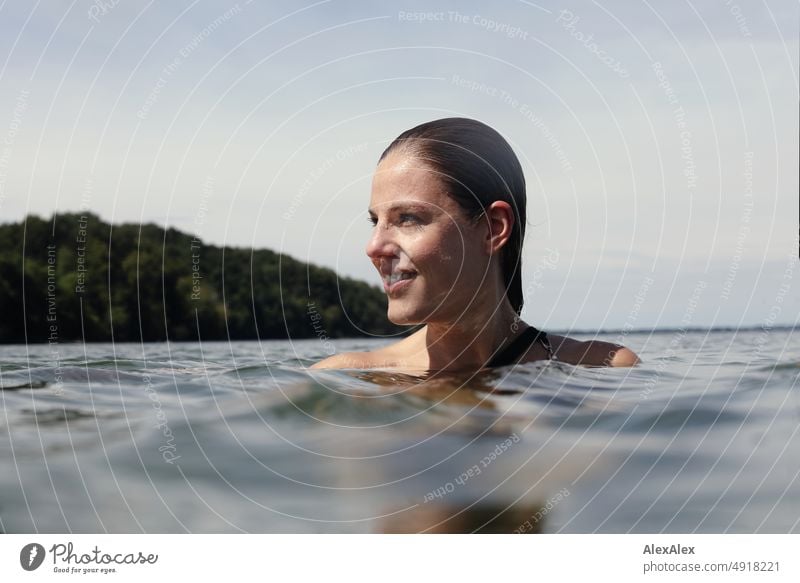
{"points": [[242, 437], [482, 519]]}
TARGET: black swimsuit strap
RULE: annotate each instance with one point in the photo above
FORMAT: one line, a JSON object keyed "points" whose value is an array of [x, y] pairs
{"points": [[511, 353]]}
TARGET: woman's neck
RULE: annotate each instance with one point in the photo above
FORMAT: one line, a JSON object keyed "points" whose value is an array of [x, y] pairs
{"points": [[471, 341]]}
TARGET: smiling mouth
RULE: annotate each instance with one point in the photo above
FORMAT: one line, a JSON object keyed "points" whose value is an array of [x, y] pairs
{"points": [[397, 281], [393, 278]]}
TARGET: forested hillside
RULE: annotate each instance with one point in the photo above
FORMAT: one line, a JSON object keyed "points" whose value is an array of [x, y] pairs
{"points": [[77, 277]]}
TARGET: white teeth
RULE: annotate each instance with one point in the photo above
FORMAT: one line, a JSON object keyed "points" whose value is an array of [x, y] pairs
{"points": [[395, 277]]}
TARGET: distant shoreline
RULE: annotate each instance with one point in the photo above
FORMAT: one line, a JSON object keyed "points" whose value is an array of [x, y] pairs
{"points": [[585, 332], [76, 278]]}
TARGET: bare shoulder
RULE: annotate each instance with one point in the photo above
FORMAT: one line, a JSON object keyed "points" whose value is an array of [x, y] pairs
{"points": [[391, 356], [591, 352], [404, 354], [346, 360]]}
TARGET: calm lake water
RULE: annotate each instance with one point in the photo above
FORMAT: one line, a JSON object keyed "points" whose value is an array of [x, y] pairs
{"points": [[229, 437]]}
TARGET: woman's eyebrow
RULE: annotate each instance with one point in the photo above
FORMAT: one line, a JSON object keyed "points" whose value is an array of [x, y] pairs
{"points": [[402, 206]]}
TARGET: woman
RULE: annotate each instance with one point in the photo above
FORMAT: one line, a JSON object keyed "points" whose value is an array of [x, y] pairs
{"points": [[448, 215]]}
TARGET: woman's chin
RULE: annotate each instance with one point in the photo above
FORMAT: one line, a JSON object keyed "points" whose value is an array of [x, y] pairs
{"points": [[403, 317], [403, 321]]}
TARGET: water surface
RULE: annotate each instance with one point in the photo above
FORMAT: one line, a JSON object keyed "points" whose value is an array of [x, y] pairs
{"points": [[230, 437]]}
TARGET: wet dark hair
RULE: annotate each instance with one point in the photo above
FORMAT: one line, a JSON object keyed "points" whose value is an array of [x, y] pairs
{"points": [[478, 167]]}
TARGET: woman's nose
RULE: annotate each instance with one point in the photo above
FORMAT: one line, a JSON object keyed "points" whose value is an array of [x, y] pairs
{"points": [[381, 244]]}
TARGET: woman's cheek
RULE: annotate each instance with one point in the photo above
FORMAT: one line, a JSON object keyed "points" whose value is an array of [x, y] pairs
{"points": [[435, 249]]}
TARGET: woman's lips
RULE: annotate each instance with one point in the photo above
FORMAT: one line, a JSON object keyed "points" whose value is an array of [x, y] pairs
{"points": [[396, 282]]}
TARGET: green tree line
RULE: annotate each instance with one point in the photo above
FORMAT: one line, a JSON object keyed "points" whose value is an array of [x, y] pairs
{"points": [[75, 277]]}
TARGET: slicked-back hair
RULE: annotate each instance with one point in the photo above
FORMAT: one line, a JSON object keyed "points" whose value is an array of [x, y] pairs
{"points": [[478, 167]]}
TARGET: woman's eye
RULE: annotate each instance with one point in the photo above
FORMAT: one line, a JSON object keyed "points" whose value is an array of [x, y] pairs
{"points": [[372, 220], [406, 219]]}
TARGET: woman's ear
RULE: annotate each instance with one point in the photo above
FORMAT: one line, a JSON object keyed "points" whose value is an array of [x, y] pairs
{"points": [[500, 220]]}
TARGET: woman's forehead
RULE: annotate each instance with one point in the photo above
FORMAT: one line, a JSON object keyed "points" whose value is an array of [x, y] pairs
{"points": [[409, 181]]}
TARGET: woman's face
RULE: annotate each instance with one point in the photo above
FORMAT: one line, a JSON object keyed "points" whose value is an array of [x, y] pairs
{"points": [[431, 257]]}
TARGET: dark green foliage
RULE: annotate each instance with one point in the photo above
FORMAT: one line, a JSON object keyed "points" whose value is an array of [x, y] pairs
{"points": [[135, 282]]}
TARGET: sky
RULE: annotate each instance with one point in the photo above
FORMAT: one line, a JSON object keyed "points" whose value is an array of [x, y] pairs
{"points": [[659, 140]]}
